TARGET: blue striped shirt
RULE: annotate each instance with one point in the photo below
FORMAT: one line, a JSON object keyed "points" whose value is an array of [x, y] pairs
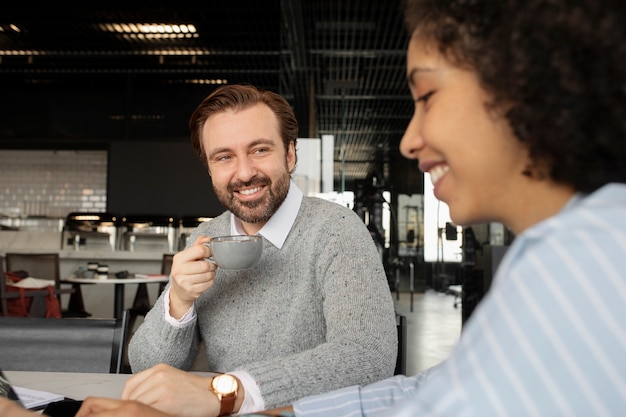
{"points": [[549, 339]]}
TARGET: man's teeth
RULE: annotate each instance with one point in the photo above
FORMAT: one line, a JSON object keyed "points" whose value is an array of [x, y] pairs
{"points": [[437, 172], [250, 191]]}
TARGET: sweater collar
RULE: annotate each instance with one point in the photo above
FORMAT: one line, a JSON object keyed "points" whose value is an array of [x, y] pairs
{"points": [[279, 225]]}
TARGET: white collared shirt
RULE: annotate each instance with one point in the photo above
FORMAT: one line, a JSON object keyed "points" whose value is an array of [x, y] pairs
{"points": [[278, 226]]}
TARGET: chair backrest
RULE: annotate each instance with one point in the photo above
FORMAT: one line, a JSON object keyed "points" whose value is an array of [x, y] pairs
{"points": [[38, 265], [401, 360], [63, 345], [166, 263], [166, 268], [4, 309], [38, 306]]}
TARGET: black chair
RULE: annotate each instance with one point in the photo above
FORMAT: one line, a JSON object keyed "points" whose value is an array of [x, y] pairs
{"points": [[4, 309], [166, 268], [63, 345], [401, 360]]}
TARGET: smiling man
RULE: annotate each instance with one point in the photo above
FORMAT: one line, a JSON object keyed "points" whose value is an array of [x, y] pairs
{"points": [[249, 166], [315, 313]]}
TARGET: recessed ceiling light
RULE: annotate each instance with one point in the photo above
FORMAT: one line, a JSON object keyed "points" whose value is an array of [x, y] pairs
{"points": [[151, 30]]}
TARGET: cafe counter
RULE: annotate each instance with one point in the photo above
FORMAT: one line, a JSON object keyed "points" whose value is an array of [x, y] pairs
{"points": [[71, 260], [136, 262]]}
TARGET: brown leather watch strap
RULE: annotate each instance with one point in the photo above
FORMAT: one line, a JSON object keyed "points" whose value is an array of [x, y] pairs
{"points": [[226, 392], [227, 404]]}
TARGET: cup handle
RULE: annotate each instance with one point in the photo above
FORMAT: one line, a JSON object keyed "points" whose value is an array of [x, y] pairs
{"points": [[210, 258]]}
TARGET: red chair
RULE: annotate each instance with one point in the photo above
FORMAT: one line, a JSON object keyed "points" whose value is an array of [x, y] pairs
{"points": [[44, 266]]}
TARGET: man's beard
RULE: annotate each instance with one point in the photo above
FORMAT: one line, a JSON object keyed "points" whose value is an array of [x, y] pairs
{"points": [[257, 211]]}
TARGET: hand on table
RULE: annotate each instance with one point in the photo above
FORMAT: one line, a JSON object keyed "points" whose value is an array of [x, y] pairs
{"points": [[109, 407], [191, 276], [173, 391], [92, 407]]}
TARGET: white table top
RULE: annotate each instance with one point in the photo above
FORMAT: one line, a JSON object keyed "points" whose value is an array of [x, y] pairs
{"points": [[71, 384], [113, 280], [75, 385]]}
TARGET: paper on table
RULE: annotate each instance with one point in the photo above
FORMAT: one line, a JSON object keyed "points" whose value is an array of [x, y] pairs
{"points": [[32, 398]]}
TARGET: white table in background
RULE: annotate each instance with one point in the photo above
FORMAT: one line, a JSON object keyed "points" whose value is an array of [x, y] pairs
{"points": [[119, 283]]}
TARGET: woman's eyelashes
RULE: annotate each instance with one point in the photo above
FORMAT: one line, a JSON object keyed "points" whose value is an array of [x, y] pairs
{"points": [[424, 97]]}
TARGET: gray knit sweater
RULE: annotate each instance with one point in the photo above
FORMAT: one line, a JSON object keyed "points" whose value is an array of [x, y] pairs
{"points": [[314, 316]]}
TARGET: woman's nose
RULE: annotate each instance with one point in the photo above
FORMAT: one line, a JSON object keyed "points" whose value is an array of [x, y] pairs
{"points": [[412, 141]]}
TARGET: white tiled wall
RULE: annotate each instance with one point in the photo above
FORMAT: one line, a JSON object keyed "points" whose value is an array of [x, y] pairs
{"points": [[52, 183]]}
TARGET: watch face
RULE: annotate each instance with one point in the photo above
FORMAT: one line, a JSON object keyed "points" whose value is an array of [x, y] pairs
{"points": [[224, 384]]}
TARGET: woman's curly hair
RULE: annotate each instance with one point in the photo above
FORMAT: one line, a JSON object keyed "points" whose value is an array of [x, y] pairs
{"points": [[558, 67]]}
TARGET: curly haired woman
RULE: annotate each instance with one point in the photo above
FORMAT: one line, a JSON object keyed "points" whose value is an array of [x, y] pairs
{"points": [[520, 118]]}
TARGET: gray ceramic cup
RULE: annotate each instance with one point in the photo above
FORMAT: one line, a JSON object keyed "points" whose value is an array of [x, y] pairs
{"points": [[235, 252]]}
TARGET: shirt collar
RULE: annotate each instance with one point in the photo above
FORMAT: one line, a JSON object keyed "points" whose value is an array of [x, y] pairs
{"points": [[278, 226]]}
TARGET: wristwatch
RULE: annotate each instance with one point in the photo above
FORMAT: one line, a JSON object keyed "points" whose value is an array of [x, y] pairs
{"points": [[225, 387]]}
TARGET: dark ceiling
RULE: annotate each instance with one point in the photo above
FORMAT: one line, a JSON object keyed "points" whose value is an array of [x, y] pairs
{"points": [[69, 80]]}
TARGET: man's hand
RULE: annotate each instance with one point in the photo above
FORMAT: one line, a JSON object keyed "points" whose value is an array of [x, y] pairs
{"points": [[191, 276], [108, 407], [173, 391]]}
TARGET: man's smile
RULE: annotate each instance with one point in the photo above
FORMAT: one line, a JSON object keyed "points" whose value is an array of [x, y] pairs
{"points": [[249, 191]]}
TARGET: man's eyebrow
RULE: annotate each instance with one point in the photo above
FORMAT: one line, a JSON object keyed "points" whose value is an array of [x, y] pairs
{"points": [[216, 151], [262, 141], [256, 142]]}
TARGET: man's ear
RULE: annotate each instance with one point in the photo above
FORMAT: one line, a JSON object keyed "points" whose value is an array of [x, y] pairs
{"points": [[291, 157]]}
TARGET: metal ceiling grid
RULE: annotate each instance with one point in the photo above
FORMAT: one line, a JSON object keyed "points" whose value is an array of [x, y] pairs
{"points": [[356, 52], [339, 62]]}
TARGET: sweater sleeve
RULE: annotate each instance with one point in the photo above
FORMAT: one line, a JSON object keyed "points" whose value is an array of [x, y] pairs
{"points": [[157, 341]]}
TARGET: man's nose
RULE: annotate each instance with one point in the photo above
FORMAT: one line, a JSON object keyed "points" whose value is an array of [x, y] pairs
{"points": [[246, 169]]}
